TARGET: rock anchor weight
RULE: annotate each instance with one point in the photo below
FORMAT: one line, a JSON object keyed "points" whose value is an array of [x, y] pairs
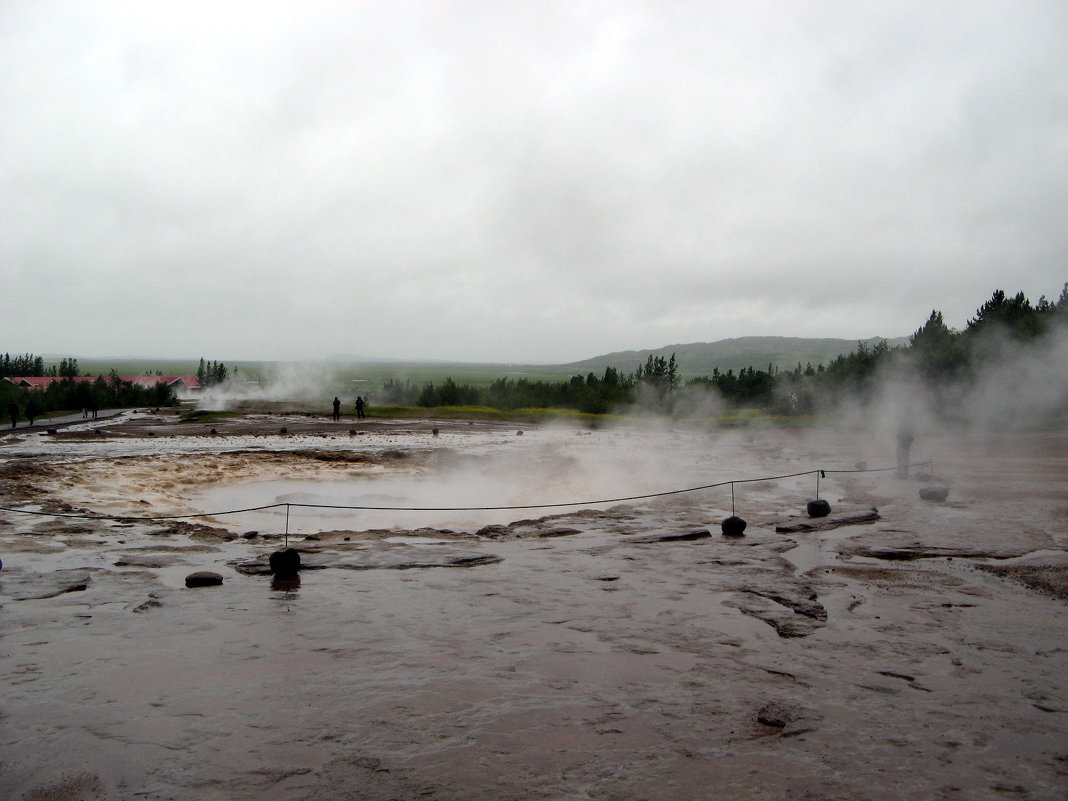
{"points": [[934, 493], [733, 526], [285, 563], [818, 508]]}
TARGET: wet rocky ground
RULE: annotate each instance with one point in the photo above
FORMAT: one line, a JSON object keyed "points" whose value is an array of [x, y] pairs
{"points": [[899, 648]]}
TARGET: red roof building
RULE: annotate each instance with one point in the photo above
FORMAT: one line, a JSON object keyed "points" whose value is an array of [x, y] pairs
{"points": [[178, 383]]}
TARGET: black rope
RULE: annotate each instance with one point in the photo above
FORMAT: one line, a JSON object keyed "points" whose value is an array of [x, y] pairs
{"points": [[517, 507], [139, 518]]}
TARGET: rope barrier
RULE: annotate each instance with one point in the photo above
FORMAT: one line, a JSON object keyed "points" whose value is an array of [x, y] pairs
{"points": [[819, 472]]}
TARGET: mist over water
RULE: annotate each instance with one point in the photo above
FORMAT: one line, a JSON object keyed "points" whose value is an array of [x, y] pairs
{"points": [[553, 465]]}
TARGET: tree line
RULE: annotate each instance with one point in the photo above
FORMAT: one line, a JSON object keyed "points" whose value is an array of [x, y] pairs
{"points": [[209, 373], [941, 357], [69, 394]]}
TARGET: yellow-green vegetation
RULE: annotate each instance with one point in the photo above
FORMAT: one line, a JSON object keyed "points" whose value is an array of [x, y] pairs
{"points": [[206, 416], [486, 413]]}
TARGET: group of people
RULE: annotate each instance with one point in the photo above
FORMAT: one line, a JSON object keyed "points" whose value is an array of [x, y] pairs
{"points": [[360, 404], [31, 411]]}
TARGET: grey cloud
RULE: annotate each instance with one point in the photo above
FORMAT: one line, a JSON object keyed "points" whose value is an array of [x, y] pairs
{"points": [[521, 180]]}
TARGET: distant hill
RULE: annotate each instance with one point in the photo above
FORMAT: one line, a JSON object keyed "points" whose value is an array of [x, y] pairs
{"points": [[700, 358]]}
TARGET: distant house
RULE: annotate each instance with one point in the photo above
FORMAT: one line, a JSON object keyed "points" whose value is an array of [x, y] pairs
{"points": [[41, 382], [181, 385]]}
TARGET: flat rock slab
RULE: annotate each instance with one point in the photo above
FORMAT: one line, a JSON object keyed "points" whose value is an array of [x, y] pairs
{"points": [[150, 560], [34, 587], [824, 523], [686, 536], [380, 560], [908, 553]]}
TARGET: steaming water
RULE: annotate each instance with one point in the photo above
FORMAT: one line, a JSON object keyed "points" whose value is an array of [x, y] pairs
{"points": [[399, 490]]}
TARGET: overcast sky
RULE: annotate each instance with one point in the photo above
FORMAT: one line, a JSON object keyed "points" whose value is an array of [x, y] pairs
{"points": [[520, 181]]}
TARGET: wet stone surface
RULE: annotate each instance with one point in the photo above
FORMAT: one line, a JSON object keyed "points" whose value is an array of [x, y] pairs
{"points": [[610, 652]]}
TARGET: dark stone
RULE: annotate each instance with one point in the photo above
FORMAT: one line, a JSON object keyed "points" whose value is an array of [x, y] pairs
{"points": [[559, 532], [830, 522], [733, 526], [519, 433], [471, 561], [934, 493], [284, 430], [434, 431], [818, 508], [203, 578], [776, 715], [250, 535], [697, 534], [285, 563]]}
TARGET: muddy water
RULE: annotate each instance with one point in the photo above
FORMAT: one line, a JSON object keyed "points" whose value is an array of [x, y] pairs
{"points": [[591, 661]]}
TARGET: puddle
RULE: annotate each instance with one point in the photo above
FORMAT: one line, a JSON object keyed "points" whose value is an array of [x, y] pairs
{"points": [[814, 550]]}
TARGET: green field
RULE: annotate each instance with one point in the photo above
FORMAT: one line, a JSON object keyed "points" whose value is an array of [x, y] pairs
{"points": [[344, 374], [696, 359]]}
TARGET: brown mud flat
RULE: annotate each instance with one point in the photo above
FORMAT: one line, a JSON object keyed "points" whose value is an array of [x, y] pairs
{"points": [[624, 651], [166, 424]]}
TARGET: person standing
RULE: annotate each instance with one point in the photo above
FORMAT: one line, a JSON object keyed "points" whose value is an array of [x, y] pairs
{"points": [[359, 407], [33, 409], [905, 435], [337, 409], [13, 411]]}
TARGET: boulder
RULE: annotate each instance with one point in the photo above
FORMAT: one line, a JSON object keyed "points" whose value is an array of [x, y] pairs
{"points": [[733, 526], [934, 493], [818, 508], [285, 563], [203, 578]]}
